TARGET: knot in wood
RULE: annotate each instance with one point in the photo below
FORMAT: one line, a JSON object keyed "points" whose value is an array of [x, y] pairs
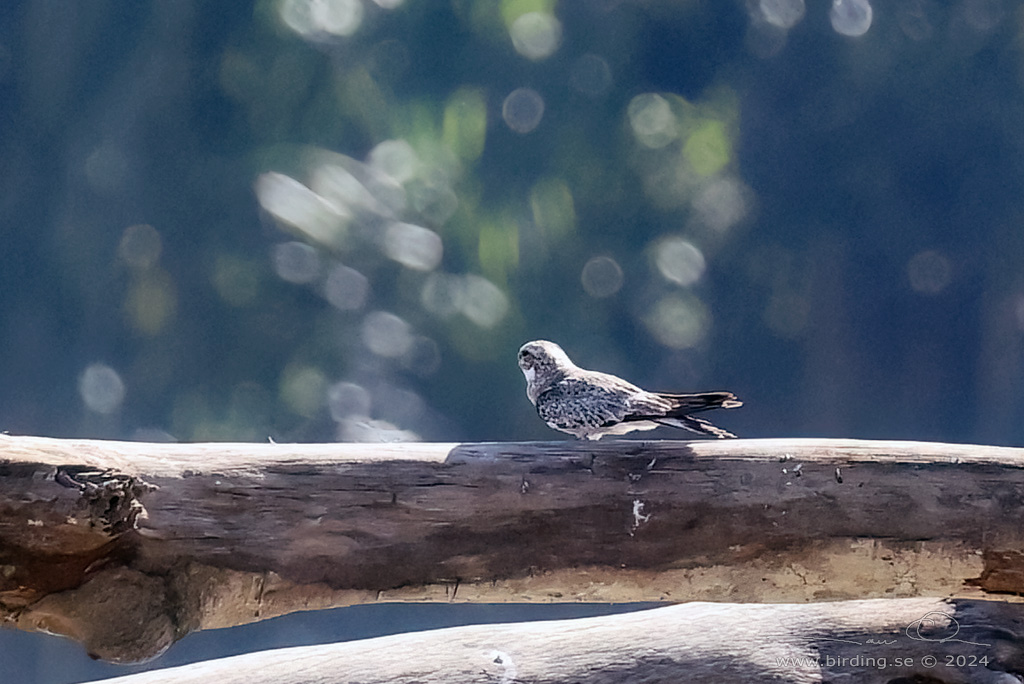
{"points": [[111, 499]]}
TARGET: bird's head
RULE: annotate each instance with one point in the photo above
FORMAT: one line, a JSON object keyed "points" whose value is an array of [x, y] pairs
{"points": [[542, 363]]}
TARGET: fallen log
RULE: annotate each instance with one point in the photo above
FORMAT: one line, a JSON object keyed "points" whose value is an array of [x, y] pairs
{"points": [[876, 641], [130, 546]]}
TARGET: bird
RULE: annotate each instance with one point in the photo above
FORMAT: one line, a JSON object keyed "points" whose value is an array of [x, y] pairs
{"points": [[589, 404]]}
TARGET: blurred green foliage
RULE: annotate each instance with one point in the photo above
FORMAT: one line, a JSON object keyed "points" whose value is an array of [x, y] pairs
{"points": [[339, 219]]}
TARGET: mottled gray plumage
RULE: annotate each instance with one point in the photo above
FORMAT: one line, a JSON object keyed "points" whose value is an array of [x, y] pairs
{"points": [[590, 404]]}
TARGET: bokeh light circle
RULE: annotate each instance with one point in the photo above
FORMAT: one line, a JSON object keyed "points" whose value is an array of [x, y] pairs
{"points": [[385, 334], [536, 35], [601, 277], [679, 260], [929, 272], [782, 13], [522, 110], [296, 262], [101, 388], [851, 17]]}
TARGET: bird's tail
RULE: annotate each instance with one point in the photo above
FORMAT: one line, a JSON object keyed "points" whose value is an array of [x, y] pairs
{"points": [[683, 404]]}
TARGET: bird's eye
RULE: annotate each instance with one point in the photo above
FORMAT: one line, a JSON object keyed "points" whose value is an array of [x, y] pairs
{"points": [[525, 355]]}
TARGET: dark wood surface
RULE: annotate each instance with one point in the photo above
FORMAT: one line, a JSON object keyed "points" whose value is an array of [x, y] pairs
{"points": [[240, 532]]}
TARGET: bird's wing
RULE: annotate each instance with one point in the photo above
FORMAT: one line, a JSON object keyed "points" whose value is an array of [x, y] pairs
{"points": [[574, 403], [674, 409], [645, 405]]}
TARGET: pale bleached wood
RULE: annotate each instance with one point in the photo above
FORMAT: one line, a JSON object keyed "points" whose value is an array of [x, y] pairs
{"points": [[240, 532], [176, 459], [868, 642]]}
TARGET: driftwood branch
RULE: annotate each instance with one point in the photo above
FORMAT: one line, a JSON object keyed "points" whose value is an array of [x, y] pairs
{"points": [[129, 546], [868, 642]]}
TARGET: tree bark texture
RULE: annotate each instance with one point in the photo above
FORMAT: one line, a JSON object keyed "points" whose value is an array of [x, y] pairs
{"points": [[130, 546]]}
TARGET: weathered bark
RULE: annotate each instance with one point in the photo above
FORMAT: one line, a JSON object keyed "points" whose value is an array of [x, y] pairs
{"points": [[212, 535], [869, 642]]}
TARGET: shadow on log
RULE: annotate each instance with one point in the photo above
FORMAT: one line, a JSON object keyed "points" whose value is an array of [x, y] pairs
{"points": [[922, 641], [214, 535]]}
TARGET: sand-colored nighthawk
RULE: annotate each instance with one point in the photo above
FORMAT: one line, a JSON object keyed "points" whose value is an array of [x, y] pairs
{"points": [[589, 404]]}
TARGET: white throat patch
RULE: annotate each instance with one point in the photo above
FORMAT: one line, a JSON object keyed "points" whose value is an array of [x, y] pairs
{"points": [[530, 374]]}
